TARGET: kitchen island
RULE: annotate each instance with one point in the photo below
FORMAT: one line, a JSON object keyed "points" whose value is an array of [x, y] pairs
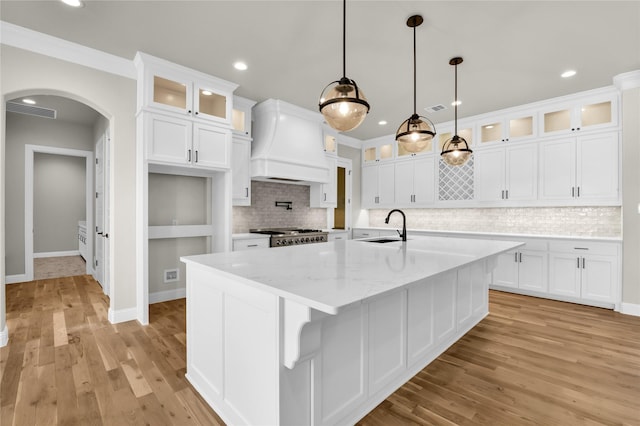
{"points": [[322, 333]]}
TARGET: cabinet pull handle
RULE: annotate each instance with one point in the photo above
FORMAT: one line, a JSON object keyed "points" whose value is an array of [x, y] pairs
{"points": [[520, 257], [578, 191], [573, 191], [196, 156], [246, 192], [189, 156], [252, 245], [502, 196], [325, 196], [581, 248], [506, 194], [583, 262], [578, 263], [516, 257]]}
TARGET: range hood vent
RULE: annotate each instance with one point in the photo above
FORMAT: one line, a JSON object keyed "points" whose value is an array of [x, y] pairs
{"points": [[37, 111], [287, 144]]}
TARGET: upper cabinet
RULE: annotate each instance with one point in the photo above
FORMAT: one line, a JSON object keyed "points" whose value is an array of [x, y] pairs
{"points": [[330, 140], [378, 149], [241, 116], [173, 88], [579, 115], [513, 127], [445, 132]]}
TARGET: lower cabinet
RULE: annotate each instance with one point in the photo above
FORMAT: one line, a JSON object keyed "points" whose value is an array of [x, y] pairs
{"points": [[338, 235], [524, 269], [588, 272], [241, 171], [372, 233], [250, 243]]}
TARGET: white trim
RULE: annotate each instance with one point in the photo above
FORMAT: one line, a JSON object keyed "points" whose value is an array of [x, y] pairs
{"points": [[166, 295], [33, 41], [29, 154], [14, 279], [630, 309], [4, 336], [628, 80], [180, 231], [56, 254], [122, 315]]}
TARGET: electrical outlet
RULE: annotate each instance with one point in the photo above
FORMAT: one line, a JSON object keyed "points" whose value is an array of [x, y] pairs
{"points": [[171, 275]]}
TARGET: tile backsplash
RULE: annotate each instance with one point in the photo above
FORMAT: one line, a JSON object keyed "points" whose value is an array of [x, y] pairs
{"points": [[562, 221], [264, 214]]}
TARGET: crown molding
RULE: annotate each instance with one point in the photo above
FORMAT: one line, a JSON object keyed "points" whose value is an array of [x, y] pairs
{"points": [[627, 80], [33, 41]]}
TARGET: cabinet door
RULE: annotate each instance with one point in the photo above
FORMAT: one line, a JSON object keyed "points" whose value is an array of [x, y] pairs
{"points": [[386, 184], [211, 146], [404, 172], [424, 181], [241, 172], [557, 169], [170, 92], [599, 278], [597, 166], [489, 174], [210, 103], [168, 139], [369, 186], [532, 270], [505, 273], [564, 274], [522, 172], [331, 188]]}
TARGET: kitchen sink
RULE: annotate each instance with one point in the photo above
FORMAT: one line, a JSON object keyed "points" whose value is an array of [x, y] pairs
{"points": [[383, 240]]}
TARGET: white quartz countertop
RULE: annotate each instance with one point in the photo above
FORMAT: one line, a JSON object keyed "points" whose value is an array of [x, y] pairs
{"points": [[336, 274]]}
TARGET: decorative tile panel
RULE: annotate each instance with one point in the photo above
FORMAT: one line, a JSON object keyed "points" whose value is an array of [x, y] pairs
{"points": [[456, 182]]}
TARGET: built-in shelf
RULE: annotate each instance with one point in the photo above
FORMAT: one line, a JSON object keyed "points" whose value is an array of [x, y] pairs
{"points": [[180, 231]]}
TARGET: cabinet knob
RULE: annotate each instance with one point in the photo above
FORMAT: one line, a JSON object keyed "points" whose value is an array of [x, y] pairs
{"points": [[197, 112], [189, 112]]}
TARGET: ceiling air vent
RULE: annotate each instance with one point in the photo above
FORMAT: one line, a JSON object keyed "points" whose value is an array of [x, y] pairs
{"points": [[21, 108], [435, 108]]}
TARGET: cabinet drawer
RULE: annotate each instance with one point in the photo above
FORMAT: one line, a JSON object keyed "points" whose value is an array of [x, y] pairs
{"points": [[364, 233], [252, 243], [584, 247]]}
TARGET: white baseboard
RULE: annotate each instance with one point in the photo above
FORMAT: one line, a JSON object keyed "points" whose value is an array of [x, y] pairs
{"points": [[630, 309], [13, 279], [57, 254], [165, 296], [4, 336], [122, 315]]}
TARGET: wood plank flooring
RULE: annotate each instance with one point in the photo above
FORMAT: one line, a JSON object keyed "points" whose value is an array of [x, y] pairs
{"points": [[530, 362]]}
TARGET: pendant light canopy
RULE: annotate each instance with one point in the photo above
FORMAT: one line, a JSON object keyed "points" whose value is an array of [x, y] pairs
{"points": [[342, 103], [415, 133], [455, 151]]}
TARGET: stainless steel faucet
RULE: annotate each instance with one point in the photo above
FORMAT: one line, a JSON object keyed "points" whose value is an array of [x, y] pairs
{"points": [[403, 234]]}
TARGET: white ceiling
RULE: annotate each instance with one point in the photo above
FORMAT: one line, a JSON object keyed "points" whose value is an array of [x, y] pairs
{"points": [[514, 51], [66, 109]]}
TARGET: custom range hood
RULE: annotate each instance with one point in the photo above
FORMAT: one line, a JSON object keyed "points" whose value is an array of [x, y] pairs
{"points": [[287, 144]]}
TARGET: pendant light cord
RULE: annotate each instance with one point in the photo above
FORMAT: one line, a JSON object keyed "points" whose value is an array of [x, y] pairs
{"points": [[455, 102], [344, 38], [414, 71]]}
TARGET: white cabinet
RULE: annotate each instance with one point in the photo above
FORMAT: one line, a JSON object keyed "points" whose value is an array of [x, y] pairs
{"points": [[582, 169], [415, 181], [525, 268], [506, 173], [250, 243], [326, 194], [330, 140], [378, 149], [177, 141], [585, 271], [591, 112], [378, 185], [359, 233], [241, 171], [338, 235], [514, 127], [241, 116]]}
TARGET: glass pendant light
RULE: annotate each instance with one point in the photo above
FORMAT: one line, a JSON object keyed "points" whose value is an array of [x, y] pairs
{"points": [[455, 151], [415, 133], [342, 102]]}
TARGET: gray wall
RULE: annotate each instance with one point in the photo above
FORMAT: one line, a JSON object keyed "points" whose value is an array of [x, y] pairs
{"points": [[22, 130], [59, 201]]}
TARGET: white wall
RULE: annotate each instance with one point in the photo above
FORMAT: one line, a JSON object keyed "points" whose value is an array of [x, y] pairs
{"points": [[24, 73], [59, 201]]}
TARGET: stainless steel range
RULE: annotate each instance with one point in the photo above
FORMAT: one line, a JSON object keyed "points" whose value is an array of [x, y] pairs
{"points": [[281, 237]]}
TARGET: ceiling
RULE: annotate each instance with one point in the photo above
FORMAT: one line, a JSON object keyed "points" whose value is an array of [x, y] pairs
{"points": [[514, 51], [66, 109]]}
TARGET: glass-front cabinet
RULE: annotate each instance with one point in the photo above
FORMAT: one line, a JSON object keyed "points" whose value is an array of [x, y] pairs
{"points": [[378, 149], [445, 132], [241, 116], [329, 140], [589, 113], [512, 128]]}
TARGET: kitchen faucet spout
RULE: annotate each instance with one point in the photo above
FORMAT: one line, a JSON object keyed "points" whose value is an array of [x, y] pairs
{"points": [[403, 235]]}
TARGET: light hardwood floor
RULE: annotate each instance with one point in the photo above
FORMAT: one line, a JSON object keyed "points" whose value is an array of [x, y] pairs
{"points": [[530, 362]]}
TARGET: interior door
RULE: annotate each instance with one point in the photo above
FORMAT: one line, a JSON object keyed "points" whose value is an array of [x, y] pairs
{"points": [[99, 223]]}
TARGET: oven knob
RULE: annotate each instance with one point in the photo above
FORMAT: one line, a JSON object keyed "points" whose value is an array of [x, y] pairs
{"points": [[307, 239]]}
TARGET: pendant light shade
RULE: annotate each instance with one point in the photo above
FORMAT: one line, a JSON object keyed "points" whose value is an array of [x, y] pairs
{"points": [[416, 132], [455, 151], [342, 102]]}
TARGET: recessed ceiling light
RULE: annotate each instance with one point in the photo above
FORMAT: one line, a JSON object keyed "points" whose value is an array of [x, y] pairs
{"points": [[29, 101], [73, 3], [568, 73], [454, 103], [382, 122], [241, 66]]}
